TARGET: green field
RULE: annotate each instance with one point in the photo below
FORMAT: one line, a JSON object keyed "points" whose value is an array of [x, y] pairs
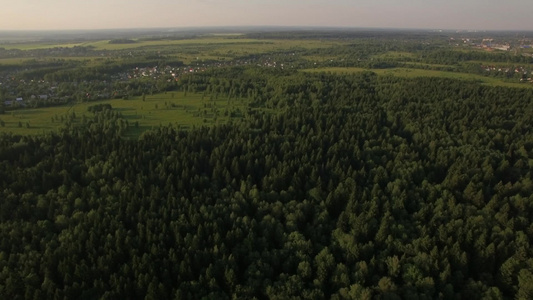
{"points": [[221, 48], [105, 45], [412, 73], [12, 61], [23, 60], [424, 65], [395, 55], [37, 45], [222, 41], [174, 108]]}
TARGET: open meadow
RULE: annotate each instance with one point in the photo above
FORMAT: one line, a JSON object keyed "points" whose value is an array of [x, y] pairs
{"points": [[176, 108], [413, 73], [221, 48], [198, 41]]}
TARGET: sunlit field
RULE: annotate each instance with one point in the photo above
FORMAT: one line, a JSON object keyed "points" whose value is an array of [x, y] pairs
{"points": [[175, 108]]}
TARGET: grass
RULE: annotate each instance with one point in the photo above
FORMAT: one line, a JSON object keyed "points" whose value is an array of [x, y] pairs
{"points": [[322, 58], [12, 61], [22, 60], [497, 64], [222, 43], [223, 47], [174, 108], [336, 70], [412, 73], [424, 65], [395, 55], [38, 45], [211, 40], [105, 45]]}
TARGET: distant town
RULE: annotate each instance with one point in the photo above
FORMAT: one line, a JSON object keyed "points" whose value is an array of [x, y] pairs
{"points": [[492, 44]]}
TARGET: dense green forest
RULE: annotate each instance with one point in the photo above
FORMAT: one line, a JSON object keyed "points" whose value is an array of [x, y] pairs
{"points": [[342, 187]]}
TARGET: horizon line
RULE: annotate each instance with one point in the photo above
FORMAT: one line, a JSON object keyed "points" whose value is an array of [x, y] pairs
{"points": [[298, 27]]}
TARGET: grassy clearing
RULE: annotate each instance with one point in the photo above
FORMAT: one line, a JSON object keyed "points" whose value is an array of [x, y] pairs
{"points": [[496, 64], [395, 55], [336, 70], [228, 49], [189, 50], [405, 72], [322, 58], [412, 73], [12, 61], [105, 45], [220, 43], [22, 60], [38, 45], [256, 45], [174, 108], [424, 65]]}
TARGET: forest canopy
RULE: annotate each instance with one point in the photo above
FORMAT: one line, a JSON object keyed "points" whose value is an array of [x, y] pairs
{"points": [[357, 187], [267, 165]]}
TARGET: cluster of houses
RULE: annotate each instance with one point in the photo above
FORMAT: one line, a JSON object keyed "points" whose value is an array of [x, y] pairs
{"points": [[19, 101], [522, 70], [489, 44], [47, 91], [18, 92], [155, 72], [176, 72], [515, 70]]}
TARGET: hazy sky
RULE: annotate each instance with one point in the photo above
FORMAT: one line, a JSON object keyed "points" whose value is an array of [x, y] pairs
{"points": [[103, 14]]}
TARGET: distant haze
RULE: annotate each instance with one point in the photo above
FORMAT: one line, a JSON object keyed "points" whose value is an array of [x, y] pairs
{"points": [[431, 14]]}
